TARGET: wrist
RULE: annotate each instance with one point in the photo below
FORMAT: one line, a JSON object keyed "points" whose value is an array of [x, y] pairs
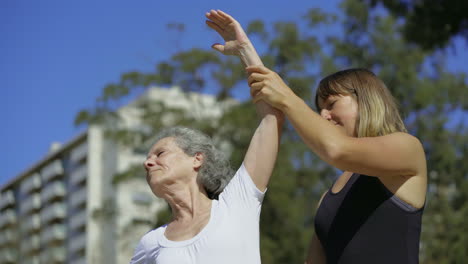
{"points": [[288, 103], [248, 55]]}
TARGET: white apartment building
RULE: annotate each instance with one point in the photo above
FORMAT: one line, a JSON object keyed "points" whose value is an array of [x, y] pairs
{"points": [[68, 208]]}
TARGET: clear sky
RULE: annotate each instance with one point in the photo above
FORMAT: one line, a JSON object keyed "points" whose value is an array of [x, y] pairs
{"points": [[56, 56]]}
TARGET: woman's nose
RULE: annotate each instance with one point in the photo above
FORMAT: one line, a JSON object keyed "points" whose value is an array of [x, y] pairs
{"points": [[148, 163], [325, 114]]}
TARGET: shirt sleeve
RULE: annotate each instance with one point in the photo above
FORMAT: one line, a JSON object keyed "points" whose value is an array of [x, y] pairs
{"points": [[242, 190], [139, 257]]}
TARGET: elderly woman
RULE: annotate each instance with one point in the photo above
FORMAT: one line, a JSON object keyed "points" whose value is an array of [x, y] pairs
{"points": [[215, 214]]}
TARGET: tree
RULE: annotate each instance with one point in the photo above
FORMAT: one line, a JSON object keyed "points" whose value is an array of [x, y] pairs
{"points": [[300, 52], [430, 24]]}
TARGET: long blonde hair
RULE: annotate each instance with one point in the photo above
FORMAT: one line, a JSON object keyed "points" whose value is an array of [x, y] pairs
{"points": [[378, 112]]}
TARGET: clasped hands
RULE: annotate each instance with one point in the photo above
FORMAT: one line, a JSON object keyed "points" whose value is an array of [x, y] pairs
{"points": [[268, 86]]}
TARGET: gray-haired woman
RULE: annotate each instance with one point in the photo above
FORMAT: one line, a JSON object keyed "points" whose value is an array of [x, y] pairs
{"points": [[215, 219]]}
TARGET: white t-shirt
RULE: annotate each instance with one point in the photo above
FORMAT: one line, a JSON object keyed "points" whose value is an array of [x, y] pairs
{"points": [[231, 235]]}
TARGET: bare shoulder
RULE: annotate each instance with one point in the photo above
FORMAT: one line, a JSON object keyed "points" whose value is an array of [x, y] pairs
{"points": [[405, 137], [412, 143], [410, 188]]}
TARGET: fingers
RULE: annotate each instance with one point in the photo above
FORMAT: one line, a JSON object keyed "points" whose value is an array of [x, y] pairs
{"points": [[257, 98], [214, 26], [255, 88], [255, 77], [225, 16], [216, 18], [257, 69], [259, 90], [258, 95], [218, 47]]}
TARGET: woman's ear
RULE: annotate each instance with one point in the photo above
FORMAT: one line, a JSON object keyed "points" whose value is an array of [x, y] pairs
{"points": [[198, 160]]}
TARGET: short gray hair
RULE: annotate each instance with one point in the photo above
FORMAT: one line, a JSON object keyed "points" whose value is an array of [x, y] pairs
{"points": [[215, 172]]}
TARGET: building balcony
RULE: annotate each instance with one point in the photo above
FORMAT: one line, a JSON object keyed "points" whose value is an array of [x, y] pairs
{"points": [[30, 204], [7, 218], [7, 237], [78, 198], [78, 220], [53, 212], [31, 244], [31, 183], [79, 175], [31, 260], [7, 199], [80, 260], [8, 256], [53, 255], [53, 190], [78, 243], [79, 153], [53, 233], [52, 170], [31, 224]]}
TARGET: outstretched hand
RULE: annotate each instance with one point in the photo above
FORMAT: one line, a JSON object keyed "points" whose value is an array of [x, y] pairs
{"points": [[231, 31]]}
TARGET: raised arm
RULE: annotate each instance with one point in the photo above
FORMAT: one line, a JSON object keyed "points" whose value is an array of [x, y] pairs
{"points": [[261, 154]]}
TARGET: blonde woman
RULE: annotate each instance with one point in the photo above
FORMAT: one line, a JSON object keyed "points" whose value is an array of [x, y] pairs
{"points": [[373, 211]]}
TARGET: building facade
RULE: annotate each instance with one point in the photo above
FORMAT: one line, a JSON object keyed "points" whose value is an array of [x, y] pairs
{"points": [[68, 208]]}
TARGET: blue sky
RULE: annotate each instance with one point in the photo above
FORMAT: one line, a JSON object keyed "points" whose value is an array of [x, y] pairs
{"points": [[55, 57]]}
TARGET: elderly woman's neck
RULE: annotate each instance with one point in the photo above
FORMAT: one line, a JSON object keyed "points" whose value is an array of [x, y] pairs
{"points": [[188, 203]]}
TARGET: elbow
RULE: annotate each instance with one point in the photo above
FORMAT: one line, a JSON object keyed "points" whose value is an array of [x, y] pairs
{"points": [[335, 155]]}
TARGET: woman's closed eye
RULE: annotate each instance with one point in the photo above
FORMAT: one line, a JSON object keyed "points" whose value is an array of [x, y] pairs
{"points": [[330, 106]]}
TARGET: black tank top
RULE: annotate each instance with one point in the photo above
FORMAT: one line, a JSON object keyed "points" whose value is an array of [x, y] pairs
{"points": [[365, 223]]}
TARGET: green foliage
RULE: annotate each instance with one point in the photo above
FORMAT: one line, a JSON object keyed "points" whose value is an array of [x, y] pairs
{"points": [[431, 24], [433, 102], [315, 17], [257, 27]]}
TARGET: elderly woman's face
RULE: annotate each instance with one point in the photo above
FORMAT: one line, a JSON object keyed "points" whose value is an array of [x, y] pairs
{"points": [[167, 164]]}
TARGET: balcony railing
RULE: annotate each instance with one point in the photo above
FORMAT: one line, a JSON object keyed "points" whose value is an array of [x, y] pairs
{"points": [[31, 183], [53, 255], [53, 233], [78, 243], [52, 170], [53, 212], [30, 244], [79, 174], [78, 220], [78, 198], [30, 204], [32, 223], [53, 190], [7, 218], [7, 199], [31, 260], [8, 256], [7, 237], [80, 260], [79, 153]]}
